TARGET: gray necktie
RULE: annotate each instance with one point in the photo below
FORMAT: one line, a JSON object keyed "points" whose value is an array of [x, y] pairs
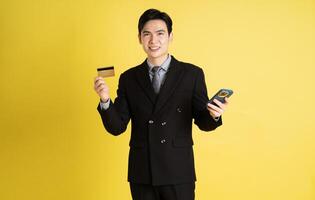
{"points": [[156, 79]]}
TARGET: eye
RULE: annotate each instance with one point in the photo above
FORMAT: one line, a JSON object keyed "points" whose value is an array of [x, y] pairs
{"points": [[145, 34]]}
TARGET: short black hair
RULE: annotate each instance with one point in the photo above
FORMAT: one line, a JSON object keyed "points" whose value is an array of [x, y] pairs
{"points": [[152, 14]]}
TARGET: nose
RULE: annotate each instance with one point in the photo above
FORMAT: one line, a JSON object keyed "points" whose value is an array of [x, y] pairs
{"points": [[153, 39]]}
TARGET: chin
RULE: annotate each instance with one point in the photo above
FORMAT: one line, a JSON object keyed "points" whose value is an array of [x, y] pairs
{"points": [[155, 56], [158, 54], [150, 55]]}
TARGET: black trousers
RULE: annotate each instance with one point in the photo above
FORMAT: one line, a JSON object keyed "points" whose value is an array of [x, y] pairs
{"points": [[165, 192]]}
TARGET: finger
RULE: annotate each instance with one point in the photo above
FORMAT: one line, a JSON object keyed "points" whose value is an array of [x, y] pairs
{"points": [[100, 88], [99, 82], [220, 104], [98, 78], [213, 106], [216, 108], [226, 100], [99, 91], [97, 85], [214, 113]]}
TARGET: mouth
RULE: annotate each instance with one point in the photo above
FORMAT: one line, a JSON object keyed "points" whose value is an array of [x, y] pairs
{"points": [[154, 48]]}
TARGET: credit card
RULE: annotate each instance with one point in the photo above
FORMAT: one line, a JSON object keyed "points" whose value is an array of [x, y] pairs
{"points": [[106, 71]]}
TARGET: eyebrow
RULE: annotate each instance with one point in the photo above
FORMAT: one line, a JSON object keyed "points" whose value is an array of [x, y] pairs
{"points": [[158, 31], [161, 30]]}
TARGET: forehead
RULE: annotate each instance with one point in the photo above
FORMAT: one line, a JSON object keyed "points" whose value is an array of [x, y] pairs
{"points": [[154, 25]]}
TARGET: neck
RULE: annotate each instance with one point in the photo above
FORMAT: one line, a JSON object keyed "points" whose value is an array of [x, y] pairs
{"points": [[158, 61]]}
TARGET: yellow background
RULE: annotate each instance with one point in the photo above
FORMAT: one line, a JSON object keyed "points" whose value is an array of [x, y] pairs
{"points": [[53, 144]]}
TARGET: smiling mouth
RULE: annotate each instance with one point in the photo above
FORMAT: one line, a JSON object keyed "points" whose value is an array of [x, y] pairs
{"points": [[154, 48]]}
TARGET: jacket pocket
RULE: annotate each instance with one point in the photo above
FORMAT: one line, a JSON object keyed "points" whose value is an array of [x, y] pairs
{"points": [[183, 142]]}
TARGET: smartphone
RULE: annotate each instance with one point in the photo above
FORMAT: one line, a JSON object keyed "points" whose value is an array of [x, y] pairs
{"points": [[220, 95]]}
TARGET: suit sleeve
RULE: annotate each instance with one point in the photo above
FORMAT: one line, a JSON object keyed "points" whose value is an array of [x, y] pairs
{"points": [[116, 118], [202, 117]]}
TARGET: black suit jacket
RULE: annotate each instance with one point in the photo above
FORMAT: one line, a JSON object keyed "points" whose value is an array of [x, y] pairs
{"points": [[161, 142]]}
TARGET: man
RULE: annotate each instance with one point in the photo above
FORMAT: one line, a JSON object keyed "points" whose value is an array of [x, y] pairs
{"points": [[161, 96]]}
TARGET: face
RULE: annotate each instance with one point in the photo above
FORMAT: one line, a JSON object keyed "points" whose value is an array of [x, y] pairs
{"points": [[155, 39]]}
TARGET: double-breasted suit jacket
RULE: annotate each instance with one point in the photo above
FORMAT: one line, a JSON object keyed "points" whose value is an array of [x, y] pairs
{"points": [[161, 141]]}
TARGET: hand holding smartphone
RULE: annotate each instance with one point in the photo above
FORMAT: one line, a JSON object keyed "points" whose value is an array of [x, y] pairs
{"points": [[220, 96]]}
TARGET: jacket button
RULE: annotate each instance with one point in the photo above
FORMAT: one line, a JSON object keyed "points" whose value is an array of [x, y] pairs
{"points": [[163, 141], [151, 122], [179, 110], [163, 123]]}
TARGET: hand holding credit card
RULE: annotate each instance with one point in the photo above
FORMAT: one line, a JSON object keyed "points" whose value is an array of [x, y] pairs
{"points": [[106, 71]]}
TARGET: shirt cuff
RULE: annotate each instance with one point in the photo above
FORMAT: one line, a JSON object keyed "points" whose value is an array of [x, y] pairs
{"points": [[104, 105], [216, 119]]}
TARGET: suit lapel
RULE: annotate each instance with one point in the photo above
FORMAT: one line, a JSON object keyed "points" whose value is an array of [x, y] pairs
{"points": [[173, 78], [144, 81]]}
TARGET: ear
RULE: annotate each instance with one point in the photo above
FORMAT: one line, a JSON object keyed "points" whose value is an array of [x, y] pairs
{"points": [[139, 37], [171, 37]]}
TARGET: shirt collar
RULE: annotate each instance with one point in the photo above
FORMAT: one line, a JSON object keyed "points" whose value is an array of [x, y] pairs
{"points": [[165, 65]]}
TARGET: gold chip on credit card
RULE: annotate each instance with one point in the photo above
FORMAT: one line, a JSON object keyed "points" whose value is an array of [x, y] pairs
{"points": [[106, 71]]}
